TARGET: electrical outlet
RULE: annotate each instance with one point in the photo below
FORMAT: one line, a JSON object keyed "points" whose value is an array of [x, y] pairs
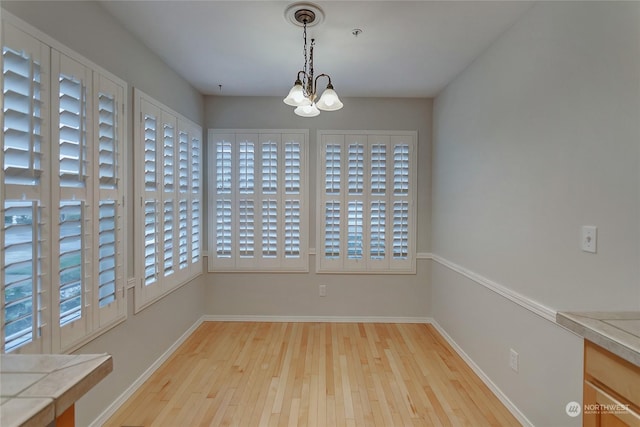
{"points": [[513, 359], [322, 290], [589, 238]]}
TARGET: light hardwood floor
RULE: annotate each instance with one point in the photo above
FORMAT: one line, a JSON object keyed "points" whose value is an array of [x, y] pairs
{"points": [[313, 374]]}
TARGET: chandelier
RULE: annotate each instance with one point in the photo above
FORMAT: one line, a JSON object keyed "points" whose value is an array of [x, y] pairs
{"points": [[303, 95]]}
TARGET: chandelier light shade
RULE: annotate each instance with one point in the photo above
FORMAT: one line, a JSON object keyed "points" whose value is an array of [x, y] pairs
{"points": [[296, 97], [303, 95], [310, 110], [329, 100]]}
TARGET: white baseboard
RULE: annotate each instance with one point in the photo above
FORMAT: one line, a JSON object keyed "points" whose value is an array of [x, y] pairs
{"points": [[319, 319], [115, 405], [484, 377]]}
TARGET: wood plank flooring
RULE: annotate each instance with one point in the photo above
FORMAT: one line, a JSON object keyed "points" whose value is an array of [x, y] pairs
{"points": [[313, 374]]}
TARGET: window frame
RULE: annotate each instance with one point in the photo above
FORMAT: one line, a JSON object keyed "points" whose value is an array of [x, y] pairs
{"points": [[258, 262], [149, 290], [343, 264], [95, 320]]}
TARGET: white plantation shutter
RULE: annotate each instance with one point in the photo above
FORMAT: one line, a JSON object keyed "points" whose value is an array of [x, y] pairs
{"points": [[258, 210], [73, 254], [292, 171], [108, 140], [367, 201], [196, 229], [169, 214], [72, 260], [150, 242], [246, 228], [183, 205], [270, 228], [150, 140], [188, 194], [292, 203], [332, 230], [109, 247], [246, 167], [196, 194], [22, 118], [168, 187], [168, 153], [168, 224], [292, 222], [151, 196], [22, 261], [73, 132], [150, 145], [332, 238], [355, 166], [223, 206], [378, 200], [61, 242], [401, 153], [223, 228], [400, 230], [24, 195], [224, 159], [107, 255], [401, 169], [183, 162], [272, 161], [355, 197], [378, 218], [269, 167], [183, 234], [355, 230], [331, 159], [378, 168], [247, 198]]}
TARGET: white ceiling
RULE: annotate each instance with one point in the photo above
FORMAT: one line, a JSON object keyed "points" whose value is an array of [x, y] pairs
{"points": [[406, 49]]}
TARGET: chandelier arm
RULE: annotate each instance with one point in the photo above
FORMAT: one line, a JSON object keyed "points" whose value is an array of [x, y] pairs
{"points": [[315, 83]]}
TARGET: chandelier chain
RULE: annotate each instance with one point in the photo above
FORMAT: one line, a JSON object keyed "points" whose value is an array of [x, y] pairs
{"points": [[304, 83]]}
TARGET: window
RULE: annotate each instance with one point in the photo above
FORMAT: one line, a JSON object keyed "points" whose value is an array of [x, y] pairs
{"points": [[61, 245], [366, 202], [257, 202], [25, 157], [168, 187]]}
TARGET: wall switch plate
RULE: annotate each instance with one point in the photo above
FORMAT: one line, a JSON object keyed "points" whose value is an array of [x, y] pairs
{"points": [[589, 238], [513, 359], [322, 290]]}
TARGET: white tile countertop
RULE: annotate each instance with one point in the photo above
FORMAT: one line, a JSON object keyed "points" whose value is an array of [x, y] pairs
{"points": [[35, 389], [616, 331]]}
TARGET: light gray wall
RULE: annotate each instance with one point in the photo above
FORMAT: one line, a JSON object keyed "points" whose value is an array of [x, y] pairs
{"points": [[538, 137], [88, 29], [347, 295]]}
